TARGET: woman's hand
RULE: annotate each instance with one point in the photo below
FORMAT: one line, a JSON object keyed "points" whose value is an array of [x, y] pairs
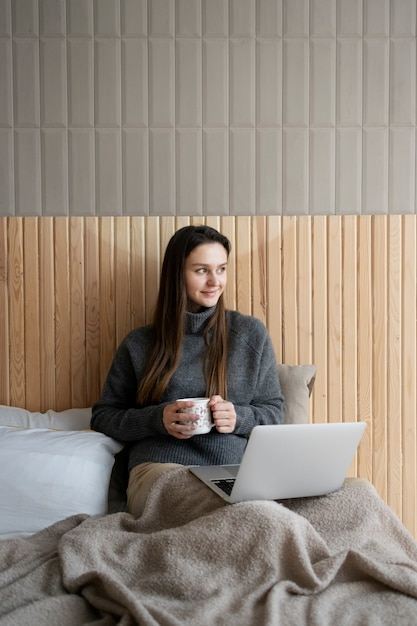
{"points": [[224, 414], [171, 418]]}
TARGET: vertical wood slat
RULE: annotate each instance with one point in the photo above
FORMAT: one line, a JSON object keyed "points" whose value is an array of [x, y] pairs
{"points": [[259, 264], [77, 323], [408, 323], [242, 254], [228, 225], [274, 285], [304, 290], [47, 313], [122, 256], [379, 354], [107, 294], [349, 318], [4, 313], [319, 326], [289, 290], [152, 265], [394, 358], [15, 305], [92, 309], [334, 319], [364, 391], [349, 343], [31, 305], [62, 256], [336, 291], [137, 274]]}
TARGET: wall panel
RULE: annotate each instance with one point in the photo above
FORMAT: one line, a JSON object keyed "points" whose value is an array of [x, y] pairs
{"points": [[307, 78], [339, 291]]}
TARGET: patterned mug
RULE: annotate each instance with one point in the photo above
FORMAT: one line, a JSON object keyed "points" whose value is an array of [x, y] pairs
{"points": [[201, 408]]}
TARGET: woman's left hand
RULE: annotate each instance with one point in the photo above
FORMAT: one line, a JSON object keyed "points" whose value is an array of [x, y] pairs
{"points": [[224, 414]]}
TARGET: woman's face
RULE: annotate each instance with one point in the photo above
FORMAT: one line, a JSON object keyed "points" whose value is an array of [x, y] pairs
{"points": [[205, 275]]}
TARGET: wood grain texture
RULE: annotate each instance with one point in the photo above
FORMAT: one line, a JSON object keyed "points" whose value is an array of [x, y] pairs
{"points": [[4, 313], [394, 364], [16, 303], [32, 311], [409, 408], [338, 291], [63, 350]]}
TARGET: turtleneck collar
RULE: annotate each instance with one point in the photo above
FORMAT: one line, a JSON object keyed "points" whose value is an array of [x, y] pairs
{"points": [[195, 322]]}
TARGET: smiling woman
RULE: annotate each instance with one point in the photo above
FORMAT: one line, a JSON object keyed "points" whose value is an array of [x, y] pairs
{"points": [[205, 275], [194, 348]]}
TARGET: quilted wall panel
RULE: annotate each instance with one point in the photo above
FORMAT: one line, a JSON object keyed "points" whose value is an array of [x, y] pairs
{"points": [[207, 107]]}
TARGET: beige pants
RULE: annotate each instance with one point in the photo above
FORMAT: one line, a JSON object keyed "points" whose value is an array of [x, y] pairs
{"points": [[141, 479]]}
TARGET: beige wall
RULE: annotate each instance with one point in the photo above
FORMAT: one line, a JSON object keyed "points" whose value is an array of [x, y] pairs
{"points": [[335, 291], [207, 107]]}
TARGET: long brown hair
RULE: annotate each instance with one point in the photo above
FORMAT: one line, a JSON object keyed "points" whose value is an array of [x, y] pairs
{"points": [[169, 320]]}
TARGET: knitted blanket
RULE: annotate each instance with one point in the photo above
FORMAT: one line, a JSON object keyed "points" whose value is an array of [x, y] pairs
{"points": [[193, 560]]}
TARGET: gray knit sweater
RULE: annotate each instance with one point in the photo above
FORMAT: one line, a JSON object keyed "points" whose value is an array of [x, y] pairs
{"points": [[253, 387]]}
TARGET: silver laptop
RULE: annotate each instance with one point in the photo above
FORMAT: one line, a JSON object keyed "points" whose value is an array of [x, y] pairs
{"points": [[287, 461]]}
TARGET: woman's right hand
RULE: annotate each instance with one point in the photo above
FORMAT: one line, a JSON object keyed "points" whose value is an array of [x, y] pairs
{"points": [[172, 422]]}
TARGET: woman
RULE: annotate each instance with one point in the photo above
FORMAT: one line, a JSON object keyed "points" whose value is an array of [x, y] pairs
{"points": [[193, 348]]}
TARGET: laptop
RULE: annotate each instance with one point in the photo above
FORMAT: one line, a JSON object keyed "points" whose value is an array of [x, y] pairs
{"points": [[287, 461]]}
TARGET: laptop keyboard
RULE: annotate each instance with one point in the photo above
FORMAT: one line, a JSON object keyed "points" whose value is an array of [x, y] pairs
{"points": [[225, 484]]}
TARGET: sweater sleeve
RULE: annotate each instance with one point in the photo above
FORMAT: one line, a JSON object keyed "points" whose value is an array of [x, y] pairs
{"points": [[267, 405], [116, 413]]}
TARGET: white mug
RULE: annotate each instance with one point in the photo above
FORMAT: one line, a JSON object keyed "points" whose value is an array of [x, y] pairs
{"points": [[201, 407]]}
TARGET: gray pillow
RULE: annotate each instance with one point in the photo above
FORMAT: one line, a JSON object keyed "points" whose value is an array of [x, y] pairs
{"points": [[297, 384]]}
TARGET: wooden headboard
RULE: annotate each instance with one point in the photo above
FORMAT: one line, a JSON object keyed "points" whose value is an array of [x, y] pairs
{"points": [[337, 291]]}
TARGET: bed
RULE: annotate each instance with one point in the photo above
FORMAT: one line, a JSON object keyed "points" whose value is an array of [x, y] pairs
{"points": [[70, 554]]}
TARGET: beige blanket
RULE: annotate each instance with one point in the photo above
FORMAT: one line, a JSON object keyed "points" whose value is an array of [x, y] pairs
{"points": [[192, 560]]}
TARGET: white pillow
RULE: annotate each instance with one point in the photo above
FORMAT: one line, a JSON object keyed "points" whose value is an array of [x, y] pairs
{"points": [[71, 419], [47, 475]]}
